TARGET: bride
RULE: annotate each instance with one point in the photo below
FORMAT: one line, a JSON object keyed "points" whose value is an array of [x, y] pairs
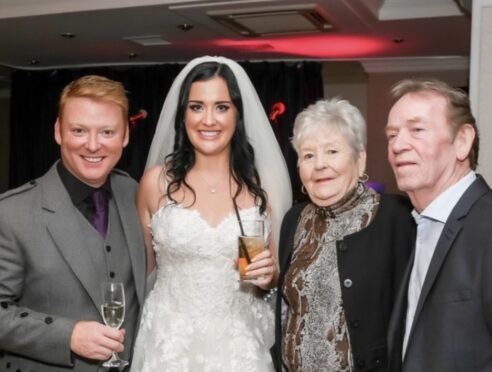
{"points": [[214, 161]]}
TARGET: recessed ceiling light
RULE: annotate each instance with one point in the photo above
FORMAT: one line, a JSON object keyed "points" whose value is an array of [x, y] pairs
{"points": [[185, 27], [68, 35], [132, 55], [33, 62]]}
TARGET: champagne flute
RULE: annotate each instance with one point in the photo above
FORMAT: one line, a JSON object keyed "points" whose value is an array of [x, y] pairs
{"points": [[113, 314]]}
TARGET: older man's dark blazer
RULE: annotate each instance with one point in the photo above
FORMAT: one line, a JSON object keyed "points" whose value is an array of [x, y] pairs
{"points": [[371, 264], [452, 330]]}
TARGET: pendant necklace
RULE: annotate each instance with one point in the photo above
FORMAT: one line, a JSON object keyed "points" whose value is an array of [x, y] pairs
{"points": [[211, 188]]}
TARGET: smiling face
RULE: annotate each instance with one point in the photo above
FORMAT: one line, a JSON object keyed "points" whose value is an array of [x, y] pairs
{"points": [[91, 135], [210, 117], [425, 155], [328, 167]]}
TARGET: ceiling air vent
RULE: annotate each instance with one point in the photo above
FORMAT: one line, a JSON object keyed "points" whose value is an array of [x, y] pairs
{"points": [[147, 40], [273, 21]]}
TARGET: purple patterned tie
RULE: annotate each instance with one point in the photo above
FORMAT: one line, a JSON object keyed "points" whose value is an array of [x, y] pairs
{"points": [[100, 217]]}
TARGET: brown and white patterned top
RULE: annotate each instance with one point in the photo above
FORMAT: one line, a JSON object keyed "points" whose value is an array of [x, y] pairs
{"points": [[315, 334]]}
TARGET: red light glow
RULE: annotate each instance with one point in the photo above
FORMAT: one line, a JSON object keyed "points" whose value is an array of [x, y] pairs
{"points": [[318, 46]]}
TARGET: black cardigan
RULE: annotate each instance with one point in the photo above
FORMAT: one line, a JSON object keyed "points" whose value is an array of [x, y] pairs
{"points": [[370, 264]]}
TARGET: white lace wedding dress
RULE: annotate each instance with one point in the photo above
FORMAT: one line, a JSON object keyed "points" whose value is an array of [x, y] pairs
{"points": [[198, 317]]}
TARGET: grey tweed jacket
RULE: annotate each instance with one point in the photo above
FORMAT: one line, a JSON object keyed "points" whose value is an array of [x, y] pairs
{"points": [[47, 279]]}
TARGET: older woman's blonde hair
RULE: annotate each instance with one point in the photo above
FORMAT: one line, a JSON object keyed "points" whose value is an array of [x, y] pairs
{"points": [[335, 113]]}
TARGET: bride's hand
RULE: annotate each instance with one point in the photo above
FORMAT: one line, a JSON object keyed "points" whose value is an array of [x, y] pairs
{"points": [[263, 270]]}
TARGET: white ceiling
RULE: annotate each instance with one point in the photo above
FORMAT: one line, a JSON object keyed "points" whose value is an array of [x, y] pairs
{"points": [[30, 31]]}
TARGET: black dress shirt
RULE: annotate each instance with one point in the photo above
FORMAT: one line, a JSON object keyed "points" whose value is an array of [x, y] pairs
{"points": [[80, 192]]}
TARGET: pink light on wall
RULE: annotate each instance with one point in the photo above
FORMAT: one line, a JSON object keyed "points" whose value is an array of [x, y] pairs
{"points": [[318, 46]]}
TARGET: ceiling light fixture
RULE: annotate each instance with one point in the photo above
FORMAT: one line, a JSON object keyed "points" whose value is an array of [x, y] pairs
{"points": [[132, 55], [68, 35], [33, 62], [185, 27]]}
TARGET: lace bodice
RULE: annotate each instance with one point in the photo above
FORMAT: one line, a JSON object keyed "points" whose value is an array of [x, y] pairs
{"points": [[199, 317], [187, 248]]}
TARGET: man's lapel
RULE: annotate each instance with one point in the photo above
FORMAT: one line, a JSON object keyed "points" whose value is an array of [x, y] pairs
{"points": [[449, 234], [125, 205], [62, 225], [396, 327]]}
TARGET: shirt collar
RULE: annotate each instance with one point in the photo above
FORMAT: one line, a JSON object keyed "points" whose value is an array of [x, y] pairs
{"points": [[442, 206], [78, 190]]}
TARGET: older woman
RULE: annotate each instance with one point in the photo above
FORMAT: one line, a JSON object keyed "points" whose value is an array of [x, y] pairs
{"points": [[342, 255]]}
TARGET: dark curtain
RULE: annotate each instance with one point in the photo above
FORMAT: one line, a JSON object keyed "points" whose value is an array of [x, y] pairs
{"points": [[296, 85], [34, 106]]}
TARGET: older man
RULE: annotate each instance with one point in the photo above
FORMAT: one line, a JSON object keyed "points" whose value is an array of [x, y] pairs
{"points": [[442, 320], [66, 233]]}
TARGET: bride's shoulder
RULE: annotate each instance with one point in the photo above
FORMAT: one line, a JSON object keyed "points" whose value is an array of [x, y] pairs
{"points": [[154, 177], [153, 172], [152, 187]]}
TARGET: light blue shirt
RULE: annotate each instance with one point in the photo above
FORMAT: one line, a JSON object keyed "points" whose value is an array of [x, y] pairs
{"points": [[430, 224]]}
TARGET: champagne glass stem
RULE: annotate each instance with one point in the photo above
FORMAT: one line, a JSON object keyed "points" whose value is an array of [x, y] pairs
{"points": [[115, 357]]}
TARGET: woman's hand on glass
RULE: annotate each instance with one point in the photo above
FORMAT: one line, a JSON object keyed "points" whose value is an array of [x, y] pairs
{"points": [[263, 270]]}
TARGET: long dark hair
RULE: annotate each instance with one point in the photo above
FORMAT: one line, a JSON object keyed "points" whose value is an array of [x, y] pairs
{"points": [[242, 155]]}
